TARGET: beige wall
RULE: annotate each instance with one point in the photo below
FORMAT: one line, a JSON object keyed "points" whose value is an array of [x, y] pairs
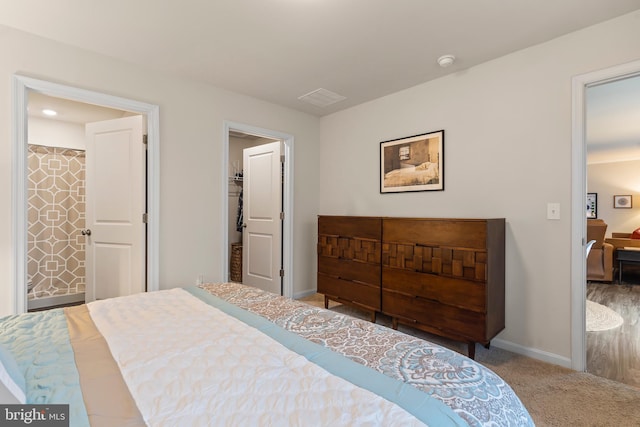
{"points": [[507, 154], [619, 178], [191, 133]]}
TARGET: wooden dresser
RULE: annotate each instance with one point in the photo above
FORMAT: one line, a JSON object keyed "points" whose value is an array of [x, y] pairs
{"points": [[443, 276]]}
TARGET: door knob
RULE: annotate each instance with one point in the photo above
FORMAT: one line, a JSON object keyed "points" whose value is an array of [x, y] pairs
{"points": [[86, 232], [244, 225]]}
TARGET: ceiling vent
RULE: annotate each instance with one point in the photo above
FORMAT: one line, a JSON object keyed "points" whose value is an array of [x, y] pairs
{"points": [[322, 97]]}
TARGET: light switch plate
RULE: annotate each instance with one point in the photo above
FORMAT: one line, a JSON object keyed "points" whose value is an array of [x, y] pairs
{"points": [[553, 210]]}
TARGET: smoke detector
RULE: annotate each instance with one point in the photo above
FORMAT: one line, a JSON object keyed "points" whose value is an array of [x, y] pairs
{"points": [[446, 60]]}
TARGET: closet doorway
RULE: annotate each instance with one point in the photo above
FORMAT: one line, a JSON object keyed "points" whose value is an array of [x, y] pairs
{"points": [[257, 248]]}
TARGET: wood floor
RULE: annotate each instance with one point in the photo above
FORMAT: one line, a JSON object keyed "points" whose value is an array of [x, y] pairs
{"points": [[615, 354]]}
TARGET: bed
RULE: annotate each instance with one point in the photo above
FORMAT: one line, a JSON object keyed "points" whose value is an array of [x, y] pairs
{"points": [[422, 174], [229, 354]]}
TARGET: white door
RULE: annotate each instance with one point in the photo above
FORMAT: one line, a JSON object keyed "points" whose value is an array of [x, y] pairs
{"points": [[115, 202], [262, 204]]}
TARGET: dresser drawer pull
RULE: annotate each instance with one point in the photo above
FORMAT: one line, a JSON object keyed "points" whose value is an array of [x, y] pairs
{"points": [[412, 296], [396, 292], [426, 299], [406, 319]]}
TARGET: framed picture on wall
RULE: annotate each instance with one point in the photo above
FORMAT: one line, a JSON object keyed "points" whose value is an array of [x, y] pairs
{"points": [[622, 202], [413, 163], [592, 205]]}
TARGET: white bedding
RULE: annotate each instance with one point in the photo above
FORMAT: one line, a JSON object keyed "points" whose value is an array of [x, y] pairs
{"points": [[182, 371]]}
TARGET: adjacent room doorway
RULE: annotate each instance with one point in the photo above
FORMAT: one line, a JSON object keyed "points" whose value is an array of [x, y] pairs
{"points": [[578, 196], [23, 87]]}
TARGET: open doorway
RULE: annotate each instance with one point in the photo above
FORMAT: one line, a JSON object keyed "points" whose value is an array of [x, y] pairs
{"points": [[256, 200], [23, 88], [239, 140], [613, 180], [579, 192], [56, 198]]}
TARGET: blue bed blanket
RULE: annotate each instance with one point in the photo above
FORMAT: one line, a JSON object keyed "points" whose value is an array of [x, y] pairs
{"points": [[40, 345], [438, 386]]}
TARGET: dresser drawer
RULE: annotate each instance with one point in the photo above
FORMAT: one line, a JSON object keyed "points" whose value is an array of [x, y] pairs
{"points": [[448, 319], [355, 292], [350, 270], [465, 294], [362, 227], [465, 233]]}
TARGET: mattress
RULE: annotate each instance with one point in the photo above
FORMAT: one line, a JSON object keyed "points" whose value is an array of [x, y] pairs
{"points": [[228, 354]]}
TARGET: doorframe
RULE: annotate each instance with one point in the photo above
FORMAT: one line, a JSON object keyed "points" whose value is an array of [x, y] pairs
{"points": [[21, 87], [287, 199], [578, 192]]}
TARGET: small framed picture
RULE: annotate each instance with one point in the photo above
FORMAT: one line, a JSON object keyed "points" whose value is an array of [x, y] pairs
{"points": [[592, 205], [622, 202]]}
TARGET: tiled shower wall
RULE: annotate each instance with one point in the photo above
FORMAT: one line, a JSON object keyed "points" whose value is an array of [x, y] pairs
{"points": [[56, 211]]}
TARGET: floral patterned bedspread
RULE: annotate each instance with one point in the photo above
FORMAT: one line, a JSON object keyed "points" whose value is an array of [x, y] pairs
{"points": [[473, 391]]}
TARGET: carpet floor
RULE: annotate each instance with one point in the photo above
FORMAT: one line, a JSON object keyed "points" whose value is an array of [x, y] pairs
{"points": [[554, 396]]}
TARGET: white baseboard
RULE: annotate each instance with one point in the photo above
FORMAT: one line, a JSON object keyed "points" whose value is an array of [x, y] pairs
{"points": [[303, 294], [532, 352]]}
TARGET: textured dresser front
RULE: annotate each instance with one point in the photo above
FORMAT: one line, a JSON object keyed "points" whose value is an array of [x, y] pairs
{"points": [[349, 252], [445, 276]]}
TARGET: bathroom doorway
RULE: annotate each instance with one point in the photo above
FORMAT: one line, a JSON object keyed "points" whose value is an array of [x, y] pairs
{"points": [[56, 191], [24, 89]]}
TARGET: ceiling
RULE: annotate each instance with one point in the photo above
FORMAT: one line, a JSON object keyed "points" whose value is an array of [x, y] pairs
{"points": [[70, 111], [279, 50], [613, 121]]}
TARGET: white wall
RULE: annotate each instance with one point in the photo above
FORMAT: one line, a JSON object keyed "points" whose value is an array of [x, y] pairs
{"points": [[54, 133], [191, 135], [619, 178], [507, 153]]}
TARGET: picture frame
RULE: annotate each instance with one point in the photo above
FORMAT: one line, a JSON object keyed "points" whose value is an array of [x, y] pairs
{"points": [[623, 201], [413, 163], [592, 205]]}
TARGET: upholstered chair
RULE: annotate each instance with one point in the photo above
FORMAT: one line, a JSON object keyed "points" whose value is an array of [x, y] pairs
{"points": [[600, 259]]}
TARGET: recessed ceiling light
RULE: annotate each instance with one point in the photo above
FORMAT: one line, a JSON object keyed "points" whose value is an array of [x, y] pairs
{"points": [[49, 112]]}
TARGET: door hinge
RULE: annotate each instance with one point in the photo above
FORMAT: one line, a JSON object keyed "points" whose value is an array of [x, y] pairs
{"points": [[145, 139], [281, 158], [145, 218], [281, 273], [281, 216]]}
